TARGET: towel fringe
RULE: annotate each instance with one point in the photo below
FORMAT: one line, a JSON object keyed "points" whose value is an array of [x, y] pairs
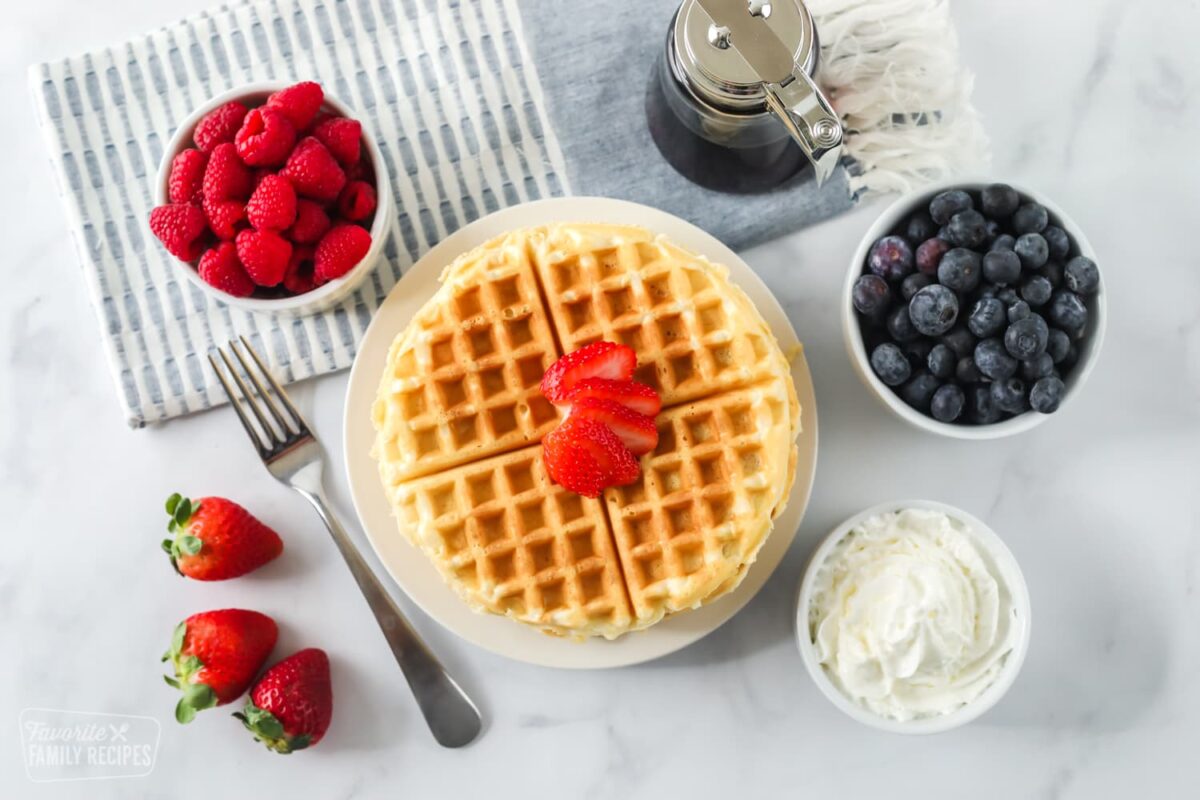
{"points": [[892, 70]]}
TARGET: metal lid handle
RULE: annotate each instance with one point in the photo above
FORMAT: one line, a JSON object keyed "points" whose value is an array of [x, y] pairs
{"points": [[810, 119]]}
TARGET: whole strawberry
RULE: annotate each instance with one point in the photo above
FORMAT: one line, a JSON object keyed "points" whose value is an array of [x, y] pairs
{"points": [[216, 655], [291, 705], [216, 539]]}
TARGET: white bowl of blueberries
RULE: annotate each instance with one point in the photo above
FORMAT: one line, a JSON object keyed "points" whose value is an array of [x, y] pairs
{"points": [[974, 310]]}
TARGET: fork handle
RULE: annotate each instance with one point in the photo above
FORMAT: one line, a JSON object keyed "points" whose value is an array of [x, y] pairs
{"points": [[449, 712]]}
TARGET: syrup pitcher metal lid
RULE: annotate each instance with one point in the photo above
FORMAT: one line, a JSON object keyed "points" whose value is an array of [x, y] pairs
{"points": [[750, 56]]}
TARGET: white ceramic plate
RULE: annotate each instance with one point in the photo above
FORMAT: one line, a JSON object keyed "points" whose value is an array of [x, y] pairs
{"points": [[418, 577]]}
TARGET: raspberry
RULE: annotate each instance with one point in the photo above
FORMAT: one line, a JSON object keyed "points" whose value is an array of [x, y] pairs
{"points": [[226, 177], [357, 201], [187, 176], [311, 223], [219, 267], [180, 227], [224, 216], [265, 138], [343, 137], [219, 125], [361, 171], [314, 171], [273, 204], [339, 251], [299, 103], [265, 256], [299, 276]]}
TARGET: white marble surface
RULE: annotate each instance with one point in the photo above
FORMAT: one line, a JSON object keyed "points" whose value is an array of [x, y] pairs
{"points": [[1097, 103]]}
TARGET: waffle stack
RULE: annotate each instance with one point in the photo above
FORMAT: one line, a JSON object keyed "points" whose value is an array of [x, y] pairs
{"points": [[459, 416]]}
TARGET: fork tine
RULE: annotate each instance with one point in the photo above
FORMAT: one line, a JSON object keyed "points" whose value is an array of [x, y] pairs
{"points": [[262, 391], [268, 431], [299, 420], [237, 406]]}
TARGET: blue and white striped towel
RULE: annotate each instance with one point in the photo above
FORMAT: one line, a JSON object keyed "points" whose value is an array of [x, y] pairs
{"points": [[465, 124]]}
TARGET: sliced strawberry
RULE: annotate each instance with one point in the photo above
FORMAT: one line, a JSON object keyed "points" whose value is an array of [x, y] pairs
{"points": [[636, 396], [596, 360], [635, 430], [585, 457]]}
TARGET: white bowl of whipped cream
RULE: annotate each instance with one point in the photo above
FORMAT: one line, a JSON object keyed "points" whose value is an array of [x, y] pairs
{"points": [[913, 617]]}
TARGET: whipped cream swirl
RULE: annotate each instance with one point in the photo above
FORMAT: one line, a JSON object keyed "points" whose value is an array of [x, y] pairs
{"points": [[910, 616]]}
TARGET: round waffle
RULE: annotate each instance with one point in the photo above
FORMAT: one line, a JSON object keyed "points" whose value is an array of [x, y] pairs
{"points": [[459, 418]]}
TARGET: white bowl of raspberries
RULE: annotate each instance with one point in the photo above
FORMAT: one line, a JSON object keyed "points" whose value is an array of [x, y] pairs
{"points": [[974, 310], [274, 198]]}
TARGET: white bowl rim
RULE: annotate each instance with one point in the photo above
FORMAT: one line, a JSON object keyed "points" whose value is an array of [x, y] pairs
{"points": [[324, 295], [852, 334], [1004, 561]]}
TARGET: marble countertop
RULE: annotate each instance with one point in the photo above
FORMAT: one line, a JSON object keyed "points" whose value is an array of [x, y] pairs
{"points": [[1096, 103]]}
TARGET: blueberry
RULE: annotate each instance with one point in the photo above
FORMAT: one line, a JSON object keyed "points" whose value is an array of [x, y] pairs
{"points": [[993, 231], [980, 407], [968, 228], [1004, 241], [919, 228], [1047, 394], [1058, 241], [929, 255], [915, 283], [1002, 266], [1018, 310], [993, 360], [1009, 395], [917, 352], [1067, 311], [988, 290], [1057, 345], [1053, 272], [1027, 338], [1007, 295], [1037, 291], [890, 364], [918, 392], [871, 295], [961, 341], [947, 403], [1069, 359], [900, 326], [942, 361], [945, 205], [890, 258], [1030, 218], [1081, 275], [960, 269], [1039, 366], [1032, 249], [987, 317], [966, 372], [933, 310], [999, 200]]}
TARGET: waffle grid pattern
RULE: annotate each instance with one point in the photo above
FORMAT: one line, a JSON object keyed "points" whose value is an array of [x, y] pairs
{"points": [[508, 539], [530, 548]]}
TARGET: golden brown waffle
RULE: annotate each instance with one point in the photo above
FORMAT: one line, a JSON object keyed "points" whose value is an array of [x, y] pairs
{"points": [[459, 412], [512, 542], [462, 381], [706, 498], [694, 332]]}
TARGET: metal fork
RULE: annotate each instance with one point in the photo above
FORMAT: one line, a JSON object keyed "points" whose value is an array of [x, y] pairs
{"points": [[293, 455]]}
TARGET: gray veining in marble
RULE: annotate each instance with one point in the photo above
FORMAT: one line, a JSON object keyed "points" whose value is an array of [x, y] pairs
{"points": [[1096, 103]]}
